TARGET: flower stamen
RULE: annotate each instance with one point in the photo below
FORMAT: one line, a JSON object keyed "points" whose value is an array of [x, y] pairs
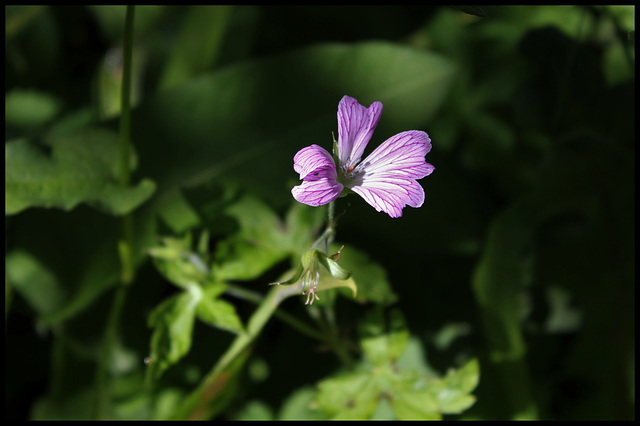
{"points": [[311, 296]]}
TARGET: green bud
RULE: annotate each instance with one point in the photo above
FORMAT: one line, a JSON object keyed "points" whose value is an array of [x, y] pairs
{"points": [[309, 273]]}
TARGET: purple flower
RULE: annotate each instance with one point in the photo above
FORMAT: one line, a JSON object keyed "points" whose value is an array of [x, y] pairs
{"points": [[386, 179]]}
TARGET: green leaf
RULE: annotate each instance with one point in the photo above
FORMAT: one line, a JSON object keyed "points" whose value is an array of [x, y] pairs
{"points": [[255, 248], [381, 343], [254, 410], [197, 45], [411, 405], [302, 223], [500, 278], [82, 168], [332, 266], [371, 278], [453, 397], [351, 396], [178, 264], [394, 380], [299, 406], [173, 322], [217, 312], [472, 10], [34, 282], [29, 108]]}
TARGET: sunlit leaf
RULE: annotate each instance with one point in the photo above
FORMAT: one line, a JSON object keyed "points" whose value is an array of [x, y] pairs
{"points": [[82, 168], [255, 248], [381, 342], [299, 406], [410, 405], [458, 385], [351, 396], [217, 312]]}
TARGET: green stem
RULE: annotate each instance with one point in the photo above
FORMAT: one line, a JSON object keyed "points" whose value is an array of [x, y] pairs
{"points": [[327, 237], [257, 298], [334, 337], [125, 97], [125, 244], [202, 403], [106, 350]]}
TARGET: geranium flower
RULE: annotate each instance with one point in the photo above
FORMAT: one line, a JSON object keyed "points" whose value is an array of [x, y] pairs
{"points": [[386, 179]]}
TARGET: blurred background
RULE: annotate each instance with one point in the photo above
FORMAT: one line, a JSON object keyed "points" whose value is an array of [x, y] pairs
{"points": [[522, 254]]}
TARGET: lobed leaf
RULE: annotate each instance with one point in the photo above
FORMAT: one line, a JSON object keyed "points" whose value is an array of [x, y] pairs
{"points": [[82, 168]]}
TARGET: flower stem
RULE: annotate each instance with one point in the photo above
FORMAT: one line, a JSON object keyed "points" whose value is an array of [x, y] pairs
{"points": [[327, 237], [257, 298], [125, 244], [200, 404]]}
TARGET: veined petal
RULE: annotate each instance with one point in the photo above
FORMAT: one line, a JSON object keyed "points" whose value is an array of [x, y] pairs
{"points": [[316, 167], [390, 195], [356, 124], [317, 192], [401, 155], [313, 160], [386, 179]]}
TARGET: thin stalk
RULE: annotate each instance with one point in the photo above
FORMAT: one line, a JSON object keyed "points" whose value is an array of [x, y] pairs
{"points": [[257, 298], [125, 244], [328, 235], [201, 403]]}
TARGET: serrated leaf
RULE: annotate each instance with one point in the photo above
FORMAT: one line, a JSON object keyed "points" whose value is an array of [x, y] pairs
{"points": [[452, 392], [255, 248], [173, 322], [465, 378], [382, 343], [82, 168], [351, 396], [299, 406], [410, 405], [219, 313]]}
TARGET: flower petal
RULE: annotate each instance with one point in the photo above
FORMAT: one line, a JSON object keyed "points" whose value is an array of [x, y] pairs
{"points": [[313, 160], [356, 124], [391, 195], [386, 179], [400, 155], [317, 192], [316, 167]]}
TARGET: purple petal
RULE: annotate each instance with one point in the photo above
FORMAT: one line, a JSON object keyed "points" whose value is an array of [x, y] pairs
{"points": [[400, 155], [312, 160], [356, 124], [316, 167], [317, 192], [386, 179], [391, 195]]}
